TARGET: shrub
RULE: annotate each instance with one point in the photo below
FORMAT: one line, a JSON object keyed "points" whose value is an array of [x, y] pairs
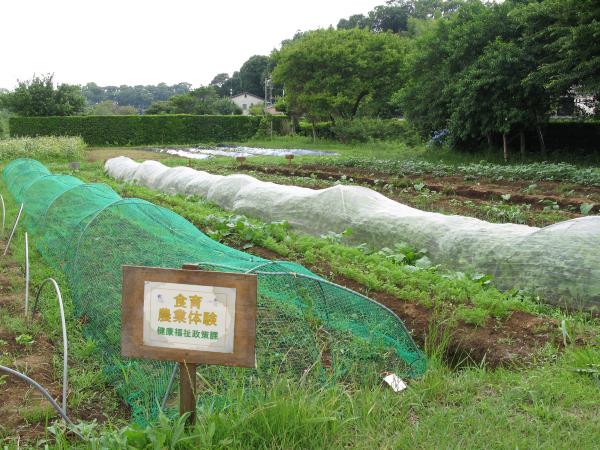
{"points": [[279, 125], [43, 148], [139, 130], [363, 129], [366, 129], [323, 130]]}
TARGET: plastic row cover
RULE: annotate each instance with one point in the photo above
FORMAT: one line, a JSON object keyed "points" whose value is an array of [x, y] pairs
{"points": [[561, 263]]}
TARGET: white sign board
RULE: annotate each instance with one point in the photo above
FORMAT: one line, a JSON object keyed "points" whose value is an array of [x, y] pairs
{"points": [[190, 317]]}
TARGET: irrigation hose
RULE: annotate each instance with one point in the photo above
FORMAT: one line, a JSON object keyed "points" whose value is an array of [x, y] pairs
{"points": [[44, 392]]}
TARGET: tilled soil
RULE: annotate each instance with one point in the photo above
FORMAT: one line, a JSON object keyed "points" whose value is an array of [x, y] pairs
{"points": [[483, 189]]}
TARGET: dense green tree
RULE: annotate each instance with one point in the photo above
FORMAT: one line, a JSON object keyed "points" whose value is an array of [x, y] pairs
{"points": [[253, 73], [110, 108], [564, 36], [138, 96], [329, 73], [39, 97], [395, 15], [492, 96], [470, 73], [204, 100]]}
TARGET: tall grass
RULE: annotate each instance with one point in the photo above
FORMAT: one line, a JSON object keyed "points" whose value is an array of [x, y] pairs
{"points": [[43, 148]]}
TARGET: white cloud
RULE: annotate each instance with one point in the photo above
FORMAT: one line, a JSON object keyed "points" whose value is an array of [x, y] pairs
{"points": [[114, 42]]}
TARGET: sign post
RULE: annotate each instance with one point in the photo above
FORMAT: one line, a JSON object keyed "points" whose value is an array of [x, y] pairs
{"points": [[189, 316]]}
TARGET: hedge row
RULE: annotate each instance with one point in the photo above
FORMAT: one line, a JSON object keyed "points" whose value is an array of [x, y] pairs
{"points": [[139, 130]]}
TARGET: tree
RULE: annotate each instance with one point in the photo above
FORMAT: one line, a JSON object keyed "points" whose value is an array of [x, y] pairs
{"points": [[493, 96], [138, 96], [564, 35], [395, 15], [252, 75], [331, 73], [219, 80], [110, 108], [470, 72], [39, 97], [204, 100]]}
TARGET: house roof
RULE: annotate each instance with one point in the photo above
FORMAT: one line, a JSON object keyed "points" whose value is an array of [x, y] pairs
{"points": [[247, 94]]}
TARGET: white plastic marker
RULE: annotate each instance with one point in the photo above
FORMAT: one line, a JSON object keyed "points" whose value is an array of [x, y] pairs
{"points": [[395, 382]]}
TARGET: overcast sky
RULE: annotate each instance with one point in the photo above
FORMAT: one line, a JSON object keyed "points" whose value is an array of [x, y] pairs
{"points": [[113, 42]]}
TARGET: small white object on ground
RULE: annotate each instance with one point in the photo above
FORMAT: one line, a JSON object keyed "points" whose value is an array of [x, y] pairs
{"points": [[395, 382]]}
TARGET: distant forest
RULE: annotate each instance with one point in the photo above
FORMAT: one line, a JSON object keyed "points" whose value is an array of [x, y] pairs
{"points": [[140, 97]]}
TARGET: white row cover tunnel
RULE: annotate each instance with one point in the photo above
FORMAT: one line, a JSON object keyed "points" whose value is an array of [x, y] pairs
{"points": [[561, 262]]}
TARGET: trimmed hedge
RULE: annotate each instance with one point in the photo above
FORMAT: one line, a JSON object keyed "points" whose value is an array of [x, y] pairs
{"points": [[139, 130]]}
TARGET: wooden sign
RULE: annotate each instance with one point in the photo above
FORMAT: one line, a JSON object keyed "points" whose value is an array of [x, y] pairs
{"points": [[189, 316]]}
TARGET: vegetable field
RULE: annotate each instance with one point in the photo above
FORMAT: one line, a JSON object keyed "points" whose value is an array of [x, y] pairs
{"points": [[503, 358]]}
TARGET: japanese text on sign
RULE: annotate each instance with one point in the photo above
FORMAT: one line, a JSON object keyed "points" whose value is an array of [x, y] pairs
{"points": [[191, 317]]}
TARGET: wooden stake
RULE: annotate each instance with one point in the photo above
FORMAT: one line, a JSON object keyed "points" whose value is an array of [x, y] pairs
{"points": [[187, 380], [505, 147], [187, 391]]}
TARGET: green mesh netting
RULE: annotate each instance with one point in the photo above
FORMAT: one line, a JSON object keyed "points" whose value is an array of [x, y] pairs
{"points": [[306, 325]]}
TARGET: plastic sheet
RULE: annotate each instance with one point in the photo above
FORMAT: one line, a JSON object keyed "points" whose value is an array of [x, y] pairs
{"points": [[89, 232], [561, 262]]}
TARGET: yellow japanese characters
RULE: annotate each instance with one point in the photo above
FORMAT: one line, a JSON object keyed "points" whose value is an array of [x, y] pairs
{"points": [[188, 316]]}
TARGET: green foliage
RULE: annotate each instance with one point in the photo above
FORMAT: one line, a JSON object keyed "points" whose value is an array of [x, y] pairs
{"points": [[43, 148], [491, 95], [329, 73], [201, 101], [563, 35], [39, 97], [25, 340], [488, 68], [363, 129], [110, 108], [140, 97], [589, 176], [396, 15], [139, 130], [252, 75]]}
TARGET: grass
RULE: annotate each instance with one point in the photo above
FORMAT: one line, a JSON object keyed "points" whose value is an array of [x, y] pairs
{"points": [[549, 406], [550, 403], [43, 148]]}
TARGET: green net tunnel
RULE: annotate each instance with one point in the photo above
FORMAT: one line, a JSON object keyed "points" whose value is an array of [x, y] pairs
{"points": [[305, 323]]}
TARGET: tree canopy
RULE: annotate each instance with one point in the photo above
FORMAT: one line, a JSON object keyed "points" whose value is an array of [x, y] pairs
{"points": [[478, 72], [140, 97], [204, 100], [39, 97], [329, 74]]}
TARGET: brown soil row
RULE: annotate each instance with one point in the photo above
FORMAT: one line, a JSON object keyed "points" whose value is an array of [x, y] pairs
{"points": [[483, 190]]}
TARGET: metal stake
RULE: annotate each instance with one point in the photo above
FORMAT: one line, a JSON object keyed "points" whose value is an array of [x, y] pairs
{"points": [[13, 229], [26, 273]]}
